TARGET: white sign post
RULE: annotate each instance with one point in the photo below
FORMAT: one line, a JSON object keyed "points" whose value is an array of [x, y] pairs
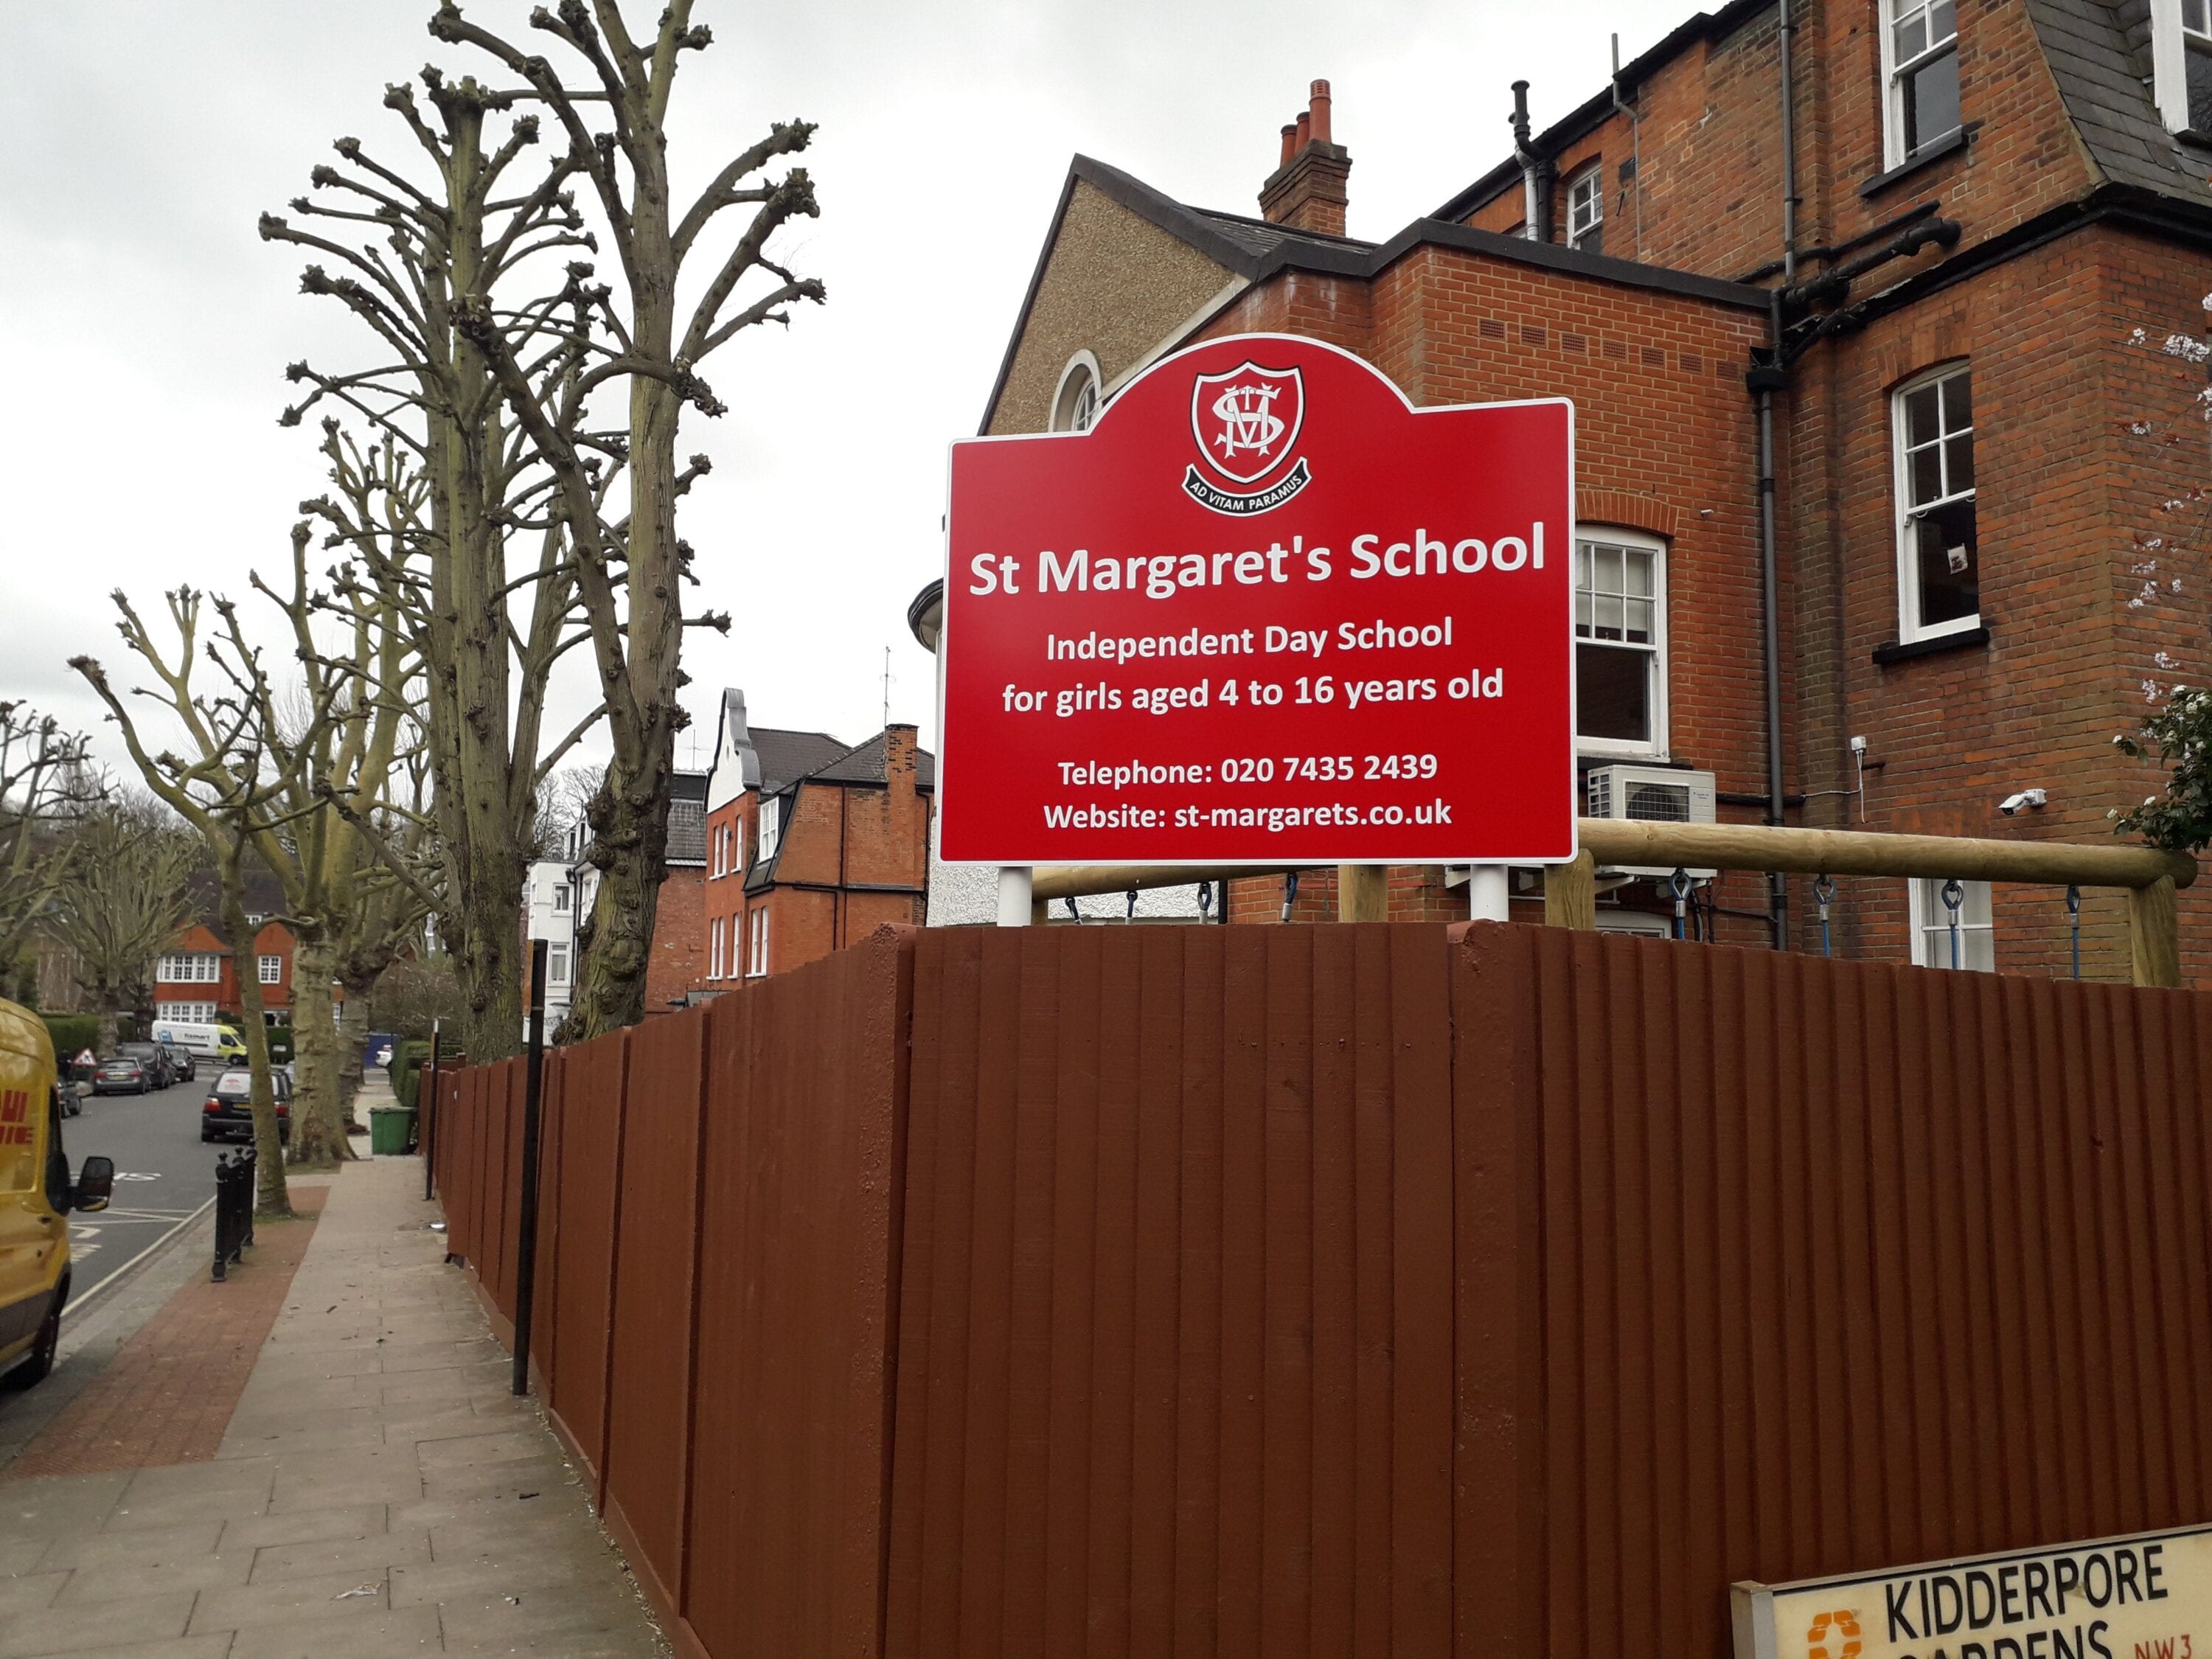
{"points": [[2147, 1596]]}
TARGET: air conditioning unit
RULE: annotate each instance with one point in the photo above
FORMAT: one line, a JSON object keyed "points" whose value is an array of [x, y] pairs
{"points": [[1652, 794]]}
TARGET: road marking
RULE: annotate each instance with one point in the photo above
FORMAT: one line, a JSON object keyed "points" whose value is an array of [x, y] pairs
{"points": [[91, 1290]]}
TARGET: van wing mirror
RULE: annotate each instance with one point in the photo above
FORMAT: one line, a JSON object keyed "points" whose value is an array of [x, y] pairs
{"points": [[95, 1184]]}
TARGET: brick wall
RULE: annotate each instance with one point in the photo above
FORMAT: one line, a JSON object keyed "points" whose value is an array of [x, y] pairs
{"points": [[679, 963]]}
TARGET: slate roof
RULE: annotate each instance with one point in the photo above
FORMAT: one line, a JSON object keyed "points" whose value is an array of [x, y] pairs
{"points": [[2100, 53], [787, 756], [687, 819], [865, 765]]}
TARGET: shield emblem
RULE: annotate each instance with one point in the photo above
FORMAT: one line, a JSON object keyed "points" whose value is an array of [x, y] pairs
{"points": [[1247, 421]]}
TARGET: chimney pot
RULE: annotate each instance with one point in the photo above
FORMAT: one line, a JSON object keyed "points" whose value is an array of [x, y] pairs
{"points": [[1305, 131], [1318, 109], [1289, 142]]}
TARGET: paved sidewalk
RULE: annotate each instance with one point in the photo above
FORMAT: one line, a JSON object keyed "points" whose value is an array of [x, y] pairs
{"points": [[378, 1492]]}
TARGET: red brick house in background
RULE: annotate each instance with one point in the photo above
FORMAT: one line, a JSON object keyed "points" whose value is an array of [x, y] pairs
{"points": [[1988, 476], [677, 963], [194, 980], [811, 843]]}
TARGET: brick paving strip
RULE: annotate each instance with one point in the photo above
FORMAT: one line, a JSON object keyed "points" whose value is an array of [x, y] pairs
{"points": [[169, 1395], [377, 1490]]}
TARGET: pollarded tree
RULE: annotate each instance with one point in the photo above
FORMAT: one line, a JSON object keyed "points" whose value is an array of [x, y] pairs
{"points": [[429, 508], [47, 785], [126, 896], [646, 345]]}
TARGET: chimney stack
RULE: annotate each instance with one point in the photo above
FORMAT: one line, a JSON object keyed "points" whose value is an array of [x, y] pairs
{"points": [[1307, 190]]}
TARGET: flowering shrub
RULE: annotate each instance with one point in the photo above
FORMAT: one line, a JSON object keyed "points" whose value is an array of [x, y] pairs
{"points": [[2178, 736]]}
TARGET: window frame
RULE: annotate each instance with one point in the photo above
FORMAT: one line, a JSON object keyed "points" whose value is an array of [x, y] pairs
{"points": [[1931, 929], [771, 826], [1593, 176], [1910, 627], [1066, 394], [269, 967], [1656, 748], [1894, 152], [756, 943], [2170, 35], [189, 967]]}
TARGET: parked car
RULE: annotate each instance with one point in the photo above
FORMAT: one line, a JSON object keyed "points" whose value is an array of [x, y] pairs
{"points": [[228, 1113], [153, 1056], [122, 1075], [34, 1241], [182, 1062]]}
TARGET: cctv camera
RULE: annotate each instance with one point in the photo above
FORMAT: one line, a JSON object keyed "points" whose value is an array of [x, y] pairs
{"points": [[2032, 798]]}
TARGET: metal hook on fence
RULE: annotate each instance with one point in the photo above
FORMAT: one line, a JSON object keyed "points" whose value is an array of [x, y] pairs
{"points": [[1954, 895], [2074, 920], [1130, 914], [1824, 895], [1678, 885], [1290, 893], [1074, 914], [1205, 899]]}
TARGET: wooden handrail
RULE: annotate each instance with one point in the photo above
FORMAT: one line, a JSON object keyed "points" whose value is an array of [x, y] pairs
{"points": [[1763, 846]]}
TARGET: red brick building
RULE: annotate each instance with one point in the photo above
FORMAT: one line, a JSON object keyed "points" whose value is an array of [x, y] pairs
{"points": [[811, 843], [1989, 477], [194, 980]]}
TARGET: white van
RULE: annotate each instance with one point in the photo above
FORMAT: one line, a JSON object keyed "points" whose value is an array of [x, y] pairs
{"points": [[216, 1042]]}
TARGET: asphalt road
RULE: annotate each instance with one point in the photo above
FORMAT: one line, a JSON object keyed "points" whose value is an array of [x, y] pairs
{"points": [[163, 1172]]}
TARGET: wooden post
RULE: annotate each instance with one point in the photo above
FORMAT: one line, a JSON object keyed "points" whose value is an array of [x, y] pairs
{"points": [[2155, 934], [1363, 892], [1570, 893]]}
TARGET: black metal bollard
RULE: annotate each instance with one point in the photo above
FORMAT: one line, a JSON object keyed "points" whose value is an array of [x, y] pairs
{"points": [[234, 1209]]}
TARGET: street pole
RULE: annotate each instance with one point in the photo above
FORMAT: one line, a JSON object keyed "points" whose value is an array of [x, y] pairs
{"points": [[426, 1094], [525, 1226], [1487, 899], [1014, 895]]}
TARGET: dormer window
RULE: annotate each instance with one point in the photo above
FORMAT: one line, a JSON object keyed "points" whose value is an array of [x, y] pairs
{"points": [[1921, 49], [1075, 404], [1586, 210], [2181, 61]]}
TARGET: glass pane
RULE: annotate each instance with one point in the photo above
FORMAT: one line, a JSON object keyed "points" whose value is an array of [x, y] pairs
{"points": [[1926, 475], [1581, 613], [1608, 616], [1591, 240], [1949, 570], [1911, 36], [1959, 462], [1931, 103], [1582, 564], [1612, 693], [1607, 574], [1943, 21], [1639, 571], [1642, 620], [2199, 60], [1958, 403], [1920, 423], [2196, 16]]}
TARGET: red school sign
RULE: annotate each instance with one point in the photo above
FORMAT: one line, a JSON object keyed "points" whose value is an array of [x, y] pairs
{"points": [[1264, 611]]}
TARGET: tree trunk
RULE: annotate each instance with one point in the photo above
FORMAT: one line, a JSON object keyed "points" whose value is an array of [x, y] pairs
{"points": [[318, 1140], [353, 1041], [630, 825], [104, 1044], [271, 1197]]}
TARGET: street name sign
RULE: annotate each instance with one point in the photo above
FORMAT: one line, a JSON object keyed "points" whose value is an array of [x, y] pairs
{"points": [[1264, 611], [2145, 1596]]}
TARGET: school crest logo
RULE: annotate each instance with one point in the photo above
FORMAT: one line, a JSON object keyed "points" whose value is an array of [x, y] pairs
{"points": [[1246, 422]]}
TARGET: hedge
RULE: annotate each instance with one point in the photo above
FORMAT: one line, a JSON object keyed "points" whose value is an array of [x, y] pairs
{"points": [[72, 1033], [408, 1059]]}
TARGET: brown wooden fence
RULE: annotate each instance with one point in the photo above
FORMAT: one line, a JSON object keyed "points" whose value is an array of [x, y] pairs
{"points": [[1157, 1291]]}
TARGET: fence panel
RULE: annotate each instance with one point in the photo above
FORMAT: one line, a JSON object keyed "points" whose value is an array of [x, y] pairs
{"points": [[1173, 1351], [797, 1248], [593, 1099], [1774, 1267], [657, 1231]]}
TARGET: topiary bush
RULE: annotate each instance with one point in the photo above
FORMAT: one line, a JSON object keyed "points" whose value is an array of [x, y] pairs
{"points": [[408, 1059]]}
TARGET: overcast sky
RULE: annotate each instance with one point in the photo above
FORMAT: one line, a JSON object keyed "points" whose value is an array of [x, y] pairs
{"points": [[146, 326]]}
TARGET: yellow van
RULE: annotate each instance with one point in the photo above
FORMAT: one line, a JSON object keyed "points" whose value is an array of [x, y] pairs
{"points": [[36, 1196]]}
